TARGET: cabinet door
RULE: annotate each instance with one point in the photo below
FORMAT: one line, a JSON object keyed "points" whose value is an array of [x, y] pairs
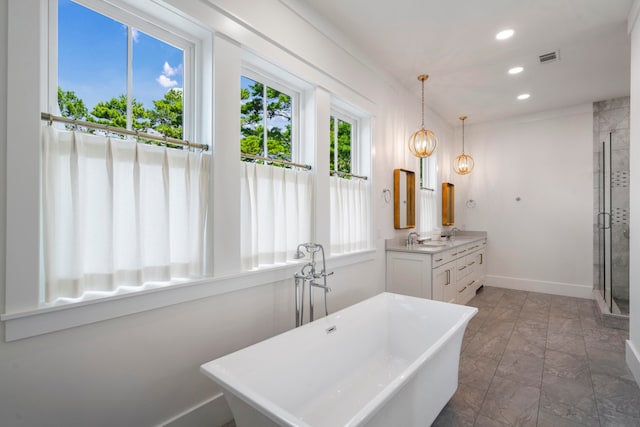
{"points": [[443, 282], [481, 267], [409, 274]]}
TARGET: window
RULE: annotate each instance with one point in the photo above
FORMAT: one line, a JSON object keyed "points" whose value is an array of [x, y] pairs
{"points": [[427, 208], [276, 198], [118, 217], [342, 134], [267, 120], [136, 81], [428, 172], [348, 192]]}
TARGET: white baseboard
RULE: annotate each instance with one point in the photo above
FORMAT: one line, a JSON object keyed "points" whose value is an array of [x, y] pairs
{"points": [[633, 360], [212, 412], [554, 288]]}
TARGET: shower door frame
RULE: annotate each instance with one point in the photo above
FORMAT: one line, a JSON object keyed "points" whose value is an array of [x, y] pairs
{"points": [[605, 253]]}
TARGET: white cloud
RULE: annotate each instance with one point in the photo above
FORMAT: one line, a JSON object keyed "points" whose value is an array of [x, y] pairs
{"points": [[167, 70], [135, 34], [165, 81]]}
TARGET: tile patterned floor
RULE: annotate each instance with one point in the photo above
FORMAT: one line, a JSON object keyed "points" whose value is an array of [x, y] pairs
{"points": [[532, 359]]}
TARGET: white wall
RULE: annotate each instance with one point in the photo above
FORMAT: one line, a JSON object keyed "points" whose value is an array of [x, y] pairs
{"points": [[142, 369], [544, 241], [633, 345]]}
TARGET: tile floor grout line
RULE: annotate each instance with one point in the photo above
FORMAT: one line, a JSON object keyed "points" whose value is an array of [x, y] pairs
{"points": [[593, 388], [544, 359]]}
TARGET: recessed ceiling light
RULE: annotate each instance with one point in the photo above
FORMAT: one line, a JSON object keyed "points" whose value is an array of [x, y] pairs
{"points": [[515, 70], [524, 96], [505, 34]]}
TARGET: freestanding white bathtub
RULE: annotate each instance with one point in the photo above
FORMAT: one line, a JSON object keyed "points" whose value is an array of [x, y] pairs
{"points": [[391, 360]]}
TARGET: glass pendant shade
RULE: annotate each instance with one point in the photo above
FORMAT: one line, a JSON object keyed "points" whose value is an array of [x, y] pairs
{"points": [[463, 164], [423, 142]]}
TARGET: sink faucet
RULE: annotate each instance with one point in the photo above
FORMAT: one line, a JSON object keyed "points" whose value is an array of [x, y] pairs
{"points": [[412, 237], [452, 234]]}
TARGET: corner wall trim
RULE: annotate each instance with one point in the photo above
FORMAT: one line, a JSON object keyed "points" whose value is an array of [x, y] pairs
{"points": [[531, 285], [211, 412], [633, 361]]}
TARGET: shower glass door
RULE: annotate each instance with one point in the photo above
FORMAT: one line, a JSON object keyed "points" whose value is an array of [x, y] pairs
{"points": [[613, 228]]}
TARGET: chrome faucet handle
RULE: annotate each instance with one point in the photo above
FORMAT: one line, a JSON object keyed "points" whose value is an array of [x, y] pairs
{"points": [[318, 285], [411, 238]]}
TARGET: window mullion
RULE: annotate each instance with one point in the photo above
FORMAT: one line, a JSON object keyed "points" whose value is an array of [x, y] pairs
{"points": [[129, 77], [336, 124], [265, 144]]}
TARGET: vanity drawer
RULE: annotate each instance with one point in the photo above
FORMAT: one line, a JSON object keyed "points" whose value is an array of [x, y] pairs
{"points": [[460, 251], [463, 267], [441, 258]]}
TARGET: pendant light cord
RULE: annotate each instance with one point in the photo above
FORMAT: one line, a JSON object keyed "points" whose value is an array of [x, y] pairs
{"points": [[462, 118], [423, 103]]}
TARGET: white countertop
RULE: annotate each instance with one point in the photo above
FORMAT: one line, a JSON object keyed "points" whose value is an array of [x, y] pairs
{"points": [[463, 237]]}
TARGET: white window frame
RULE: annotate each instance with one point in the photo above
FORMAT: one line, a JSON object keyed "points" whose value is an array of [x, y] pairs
{"points": [[355, 139], [166, 33], [428, 166], [273, 82], [34, 89]]}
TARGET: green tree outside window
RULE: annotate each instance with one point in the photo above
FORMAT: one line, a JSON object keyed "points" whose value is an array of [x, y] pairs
{"points": [[262, 107], [341, 141]]}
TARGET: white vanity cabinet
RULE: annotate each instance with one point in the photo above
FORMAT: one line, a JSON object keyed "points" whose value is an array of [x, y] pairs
{"points": [[452, 275], [409, 273]]}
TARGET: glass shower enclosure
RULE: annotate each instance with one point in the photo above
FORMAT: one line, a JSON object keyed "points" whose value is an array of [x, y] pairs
{"points": [[612, 227]]}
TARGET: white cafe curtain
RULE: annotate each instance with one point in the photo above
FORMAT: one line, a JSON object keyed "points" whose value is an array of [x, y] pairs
{"points": [[427, 211], [276, 212], [119, 215], [350, 214]]}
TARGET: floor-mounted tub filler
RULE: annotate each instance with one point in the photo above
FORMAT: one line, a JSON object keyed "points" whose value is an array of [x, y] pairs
{"points": [[391, 360]]}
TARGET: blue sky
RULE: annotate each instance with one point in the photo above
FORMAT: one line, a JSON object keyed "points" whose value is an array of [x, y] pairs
{"points": [[92, 58]]}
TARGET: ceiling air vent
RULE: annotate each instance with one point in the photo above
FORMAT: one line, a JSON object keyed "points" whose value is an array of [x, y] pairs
{"points": [[549, 57]]}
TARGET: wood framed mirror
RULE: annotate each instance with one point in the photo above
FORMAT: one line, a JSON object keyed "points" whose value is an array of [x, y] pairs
{"points": [[404, 202], [447, 203]]}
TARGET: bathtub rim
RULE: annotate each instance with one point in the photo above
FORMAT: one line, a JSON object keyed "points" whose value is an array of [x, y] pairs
{"points": [[279, 415]]}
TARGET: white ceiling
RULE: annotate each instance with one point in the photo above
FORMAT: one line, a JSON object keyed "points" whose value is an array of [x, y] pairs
{"points": [[454, 42]]}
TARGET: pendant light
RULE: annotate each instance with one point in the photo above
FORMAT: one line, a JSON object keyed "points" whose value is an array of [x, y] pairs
{"points": [[463, 164], [423, 142]]}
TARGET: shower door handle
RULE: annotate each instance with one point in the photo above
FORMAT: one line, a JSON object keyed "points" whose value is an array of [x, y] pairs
{"points": [[601, 224]]}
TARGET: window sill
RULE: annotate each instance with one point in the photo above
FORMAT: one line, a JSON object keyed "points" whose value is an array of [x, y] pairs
{"points": [[44, 320]]}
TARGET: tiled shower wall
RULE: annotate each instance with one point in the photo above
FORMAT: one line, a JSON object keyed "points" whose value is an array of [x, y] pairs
{"points": [[613, 116]]}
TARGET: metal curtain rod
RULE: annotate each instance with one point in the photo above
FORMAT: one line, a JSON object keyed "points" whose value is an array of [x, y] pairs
{"points": [[166, 139], [278, 161], [345, 174]]}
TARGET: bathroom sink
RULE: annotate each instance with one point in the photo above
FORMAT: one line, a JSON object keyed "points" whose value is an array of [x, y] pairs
{"points": [[434, 244]]}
